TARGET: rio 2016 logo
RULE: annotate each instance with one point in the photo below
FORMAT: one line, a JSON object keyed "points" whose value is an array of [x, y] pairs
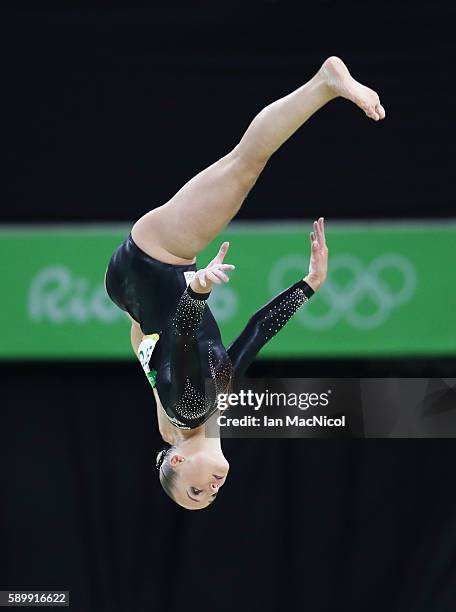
{"points": [[342, 301], [59, 296]]}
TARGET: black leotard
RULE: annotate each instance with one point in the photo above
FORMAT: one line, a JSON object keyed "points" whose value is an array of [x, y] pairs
{"points": [[195, 367], [190, 365]]}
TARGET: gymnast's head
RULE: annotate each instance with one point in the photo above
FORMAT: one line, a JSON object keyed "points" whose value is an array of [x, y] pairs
{"points": [[192, 476]]}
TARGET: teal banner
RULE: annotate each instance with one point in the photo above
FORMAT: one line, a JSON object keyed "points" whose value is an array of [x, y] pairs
{"points": [[390, 291]]}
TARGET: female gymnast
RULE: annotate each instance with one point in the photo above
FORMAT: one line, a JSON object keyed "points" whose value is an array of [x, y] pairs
{"points": [[153, 277]]}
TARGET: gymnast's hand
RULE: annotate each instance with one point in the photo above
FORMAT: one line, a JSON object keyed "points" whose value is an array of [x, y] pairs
{"points": [[318, 266], [214, 272]]}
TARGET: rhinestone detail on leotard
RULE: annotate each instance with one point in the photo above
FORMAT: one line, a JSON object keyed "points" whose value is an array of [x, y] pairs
{"points": [[281, 313], [197, 405], [221, 372], [194, 405], [188, 315]]}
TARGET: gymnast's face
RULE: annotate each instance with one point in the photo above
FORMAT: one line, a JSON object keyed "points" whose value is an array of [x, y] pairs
{"points": [[199, 477]]}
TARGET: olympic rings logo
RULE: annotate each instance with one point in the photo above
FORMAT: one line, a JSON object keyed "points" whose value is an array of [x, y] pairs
{"points": [[367, 282]]}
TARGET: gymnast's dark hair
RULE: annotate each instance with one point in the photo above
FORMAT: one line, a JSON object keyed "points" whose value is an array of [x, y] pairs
{"points": [[166, 472]]}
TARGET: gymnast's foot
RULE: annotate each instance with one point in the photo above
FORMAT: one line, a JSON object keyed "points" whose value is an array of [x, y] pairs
{"points": [[341, 83]]}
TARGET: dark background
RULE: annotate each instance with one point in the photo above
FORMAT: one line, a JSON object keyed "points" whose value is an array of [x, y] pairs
{"points": [[113, 110], [108, 112]]}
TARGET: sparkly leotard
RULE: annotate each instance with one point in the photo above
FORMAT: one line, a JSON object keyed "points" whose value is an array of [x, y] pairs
{"points": [[198, 368], [182, 351]]}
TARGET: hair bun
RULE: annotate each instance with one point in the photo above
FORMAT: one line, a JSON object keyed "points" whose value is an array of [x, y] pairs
{"points": [[161, 457]]}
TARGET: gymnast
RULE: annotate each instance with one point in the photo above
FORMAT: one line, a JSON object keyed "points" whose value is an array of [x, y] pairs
{"points": [[153, 277]]}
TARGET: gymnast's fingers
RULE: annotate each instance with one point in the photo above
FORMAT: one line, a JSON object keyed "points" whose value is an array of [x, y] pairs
{"points": [[212, 277], [222, 252], [316, 230], [317, 227], [322, 227], [221, 275], [201, 277]]}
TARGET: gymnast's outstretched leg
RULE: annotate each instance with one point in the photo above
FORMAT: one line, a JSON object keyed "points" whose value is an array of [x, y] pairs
{"points": [[178, 230]]}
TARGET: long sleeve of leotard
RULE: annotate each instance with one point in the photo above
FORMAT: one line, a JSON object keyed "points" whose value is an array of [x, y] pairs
{"points": [[265, 324], [185, 360]]}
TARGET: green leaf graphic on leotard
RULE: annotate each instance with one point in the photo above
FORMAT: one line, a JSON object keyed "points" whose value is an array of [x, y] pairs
{"points": [[152, 377]]}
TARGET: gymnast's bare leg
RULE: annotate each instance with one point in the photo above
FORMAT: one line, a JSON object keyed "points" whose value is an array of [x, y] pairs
{"points": [[178, 230]]}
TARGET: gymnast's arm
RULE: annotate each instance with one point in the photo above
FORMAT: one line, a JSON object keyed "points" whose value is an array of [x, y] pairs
{"points": [[185, 361], [270, 319], [265, 324]]}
